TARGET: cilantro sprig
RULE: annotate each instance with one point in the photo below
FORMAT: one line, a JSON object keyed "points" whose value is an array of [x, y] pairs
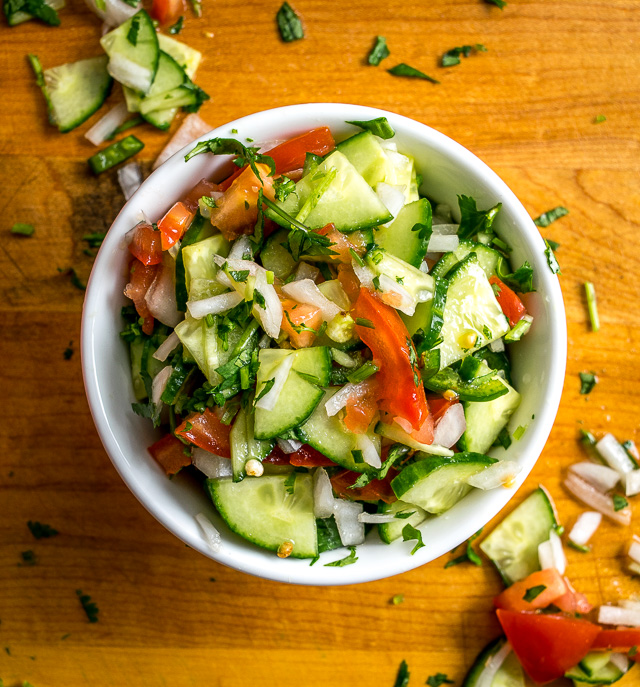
{"points": [[245, 155]]}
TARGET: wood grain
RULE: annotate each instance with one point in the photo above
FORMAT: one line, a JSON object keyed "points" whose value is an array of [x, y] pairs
{"points": [[167, 614]]}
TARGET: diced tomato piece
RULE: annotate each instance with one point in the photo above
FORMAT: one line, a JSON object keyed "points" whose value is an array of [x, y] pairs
{"points": [[547, 645], [512, 598], [341, 244], [141, 277], [203, 188], [146, 244], [376, 490], [620, 641], [173, 225], [349, 282], [508, 300], [207, 431], [298, 319], [167, 11], [401, 389], [425, 434], [572, 601], [361, 408], [291, 154], [277, 457], [224, 185], [438, 405], [170, 453], [306, 456], [237, 210]]}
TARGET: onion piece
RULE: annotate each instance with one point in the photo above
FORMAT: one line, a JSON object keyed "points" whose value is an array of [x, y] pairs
{"points": [[241, 248], [444, 229], [493, 665], [370, 453], [306, 271], [305, 291], [500, 474], [443, 243], [620, 661], [395, 432], [609, 448], [343, 358], [282, 369], [632, 483], [593, 498], [289, 446], [600, 476], [323, 500], [376, 518], [115, 12], [271, 315], [211, 534], [213, 305], [211, 465], [551, 554], [364, 274], [346, 514], [339, 400], [630, 603], [161, 296], [585, 527], [130, 179], [615, 615], [450, 427], [392, 198], [191, 128], [634, 568], [166, 347], [396, 296], [497, 346], [159, 384], [106, 125], [634, 551]]}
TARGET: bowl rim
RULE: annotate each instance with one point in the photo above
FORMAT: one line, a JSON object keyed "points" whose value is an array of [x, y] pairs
{"points": [[494, 501]]}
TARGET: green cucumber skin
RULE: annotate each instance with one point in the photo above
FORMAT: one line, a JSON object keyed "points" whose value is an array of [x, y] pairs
{"points": [[510, 674], [400, 239]]}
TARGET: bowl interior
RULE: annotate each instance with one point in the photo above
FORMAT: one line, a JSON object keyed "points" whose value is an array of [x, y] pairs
{"points": [[538, 360]]}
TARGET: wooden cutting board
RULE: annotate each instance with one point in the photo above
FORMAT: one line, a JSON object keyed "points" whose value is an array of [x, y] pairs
{"points": [[167, 615]]}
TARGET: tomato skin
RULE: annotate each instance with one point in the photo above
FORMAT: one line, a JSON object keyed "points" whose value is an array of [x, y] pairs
{"points": [[291, 154], [376, 490], [509, 301], [173, 225], [169, 453], [300, 314], [167, 11], [146, 245], [401, 390], [512, 598], [621, 641], [342, 246], [349, 282], [361, 409], [207, 432], [203, 188], [547, 645], [307, 456], [141, 277]]}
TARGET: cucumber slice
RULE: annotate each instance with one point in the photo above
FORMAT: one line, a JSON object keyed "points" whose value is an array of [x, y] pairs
{"points": [[471, 311], [182, 96], [509, 674], [428, 317], [435, 483], [401, 238], [201, 342], [198, 230], [169, 76], [244, 445], [481, 389], [199, 265], [513, 544], [315, 362], [365, 153], [15, 18], [420, 285], [77, 90], [153, 366], [133, 52], [488, 258], [390, 531], [263, 512], [596, 669], [276, 258]]}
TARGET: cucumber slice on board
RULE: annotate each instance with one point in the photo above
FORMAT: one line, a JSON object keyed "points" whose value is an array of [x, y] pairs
{"points": [[182, 96], [169, 76], [489, 259], [133, 52], [403, 238], [390, 531], [510, 673], [596, 668], [513, 544], [244, 445], [435, 483], [77, 90], [262, 511]]}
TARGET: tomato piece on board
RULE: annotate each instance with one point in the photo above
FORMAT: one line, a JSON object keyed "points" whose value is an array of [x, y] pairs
{"points": [[307, 456], [376, 490], [169, 452], [146, 244], [298, 319], [141, 277], [547, 645], [167, 11], [173, 225], [620, 641], [401, 390], [550, 584], [291, 154], [207, 431], [509, 301]]}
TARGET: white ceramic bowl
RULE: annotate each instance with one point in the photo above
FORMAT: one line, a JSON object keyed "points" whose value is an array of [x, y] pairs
{"points": [[538, 360]]}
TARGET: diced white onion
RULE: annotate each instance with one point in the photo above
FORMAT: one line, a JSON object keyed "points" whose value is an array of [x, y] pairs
{"points": [[424, 265], [620, 661], [370, 453], [166, 347], [213, 305], [339, 400], [305, 291], [609, 448], [237, 264], [497, 346], [364, 274], [159, 383], [392, 197], [634, 568], [269, 400], [585, 527], [445, 229], [343, 358], [593, 498], [289, 446], [271, 315], [442, 243], [632, 483], [306, 271], [396, 296], [161, 296], [551, 554], [211, 534], [323, 500], [450, 427], [346, 514], [634, 551], [493, 665], [115, 12], [600, 476], [191, 128], [500, 474], [630, 603], [386, 144], [106, 125], [376, 518], [240, 249], [211, 465], [129, 178], [615, 615]]}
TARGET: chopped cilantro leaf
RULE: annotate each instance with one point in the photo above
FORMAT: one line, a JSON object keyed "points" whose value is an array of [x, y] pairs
{"points": [[587, 381], [452, 57], [599, 119], [283, 187], [519, 431], [177, 27], [546, 218], [379, 51], [208, 201], [498, 3], [397, 599], [68, 351], [36, 8], [265, 389], [289, 24], [75, 280], [348, 560], [534, 592], [554, 245], [552, 261], [28, 557], [409, 532], [579, 547], [88, 606], [40, 530], [402, 678], [378, 127], [473, 220], [21, 229], [438, 679], [469, 554], [403, 69], [619, 502]]}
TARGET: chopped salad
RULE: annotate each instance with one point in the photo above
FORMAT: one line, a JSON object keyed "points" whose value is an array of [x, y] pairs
{"points": [[323, 344]]}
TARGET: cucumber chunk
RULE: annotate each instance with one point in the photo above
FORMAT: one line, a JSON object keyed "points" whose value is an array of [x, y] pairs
{"points": [[394, 432], [390, 531], [509, 674], [365, 153], [596, 669], [513, 544], [244, 445], [489, 259], [77, 90], [403, 238], [200, 269], [436, 483], [418, 284], [187, 57], [262, 511], [276, 258], [201, 342]]}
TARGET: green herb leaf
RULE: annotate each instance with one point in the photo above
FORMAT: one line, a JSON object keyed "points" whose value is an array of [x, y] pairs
{"points": [[473, 220], [363, 372], [132, 35], [41, 531], [348, 560], [289, 24], [633, 651], [378, 127], [290, 482], [587, 381], [21, 229], [88, 606], [397, 599], [364, 322], [265, 389], [534, 592], [404, 514], [554, 245], [521, 280], [28, 558], [469, 554], [546, 218], [552, 261], [177, 27], [68, 351], [379, 51], [410, 72], [498, 3], [229, 146], [452, 57], [208, 201], [503, 439], [619, 502], [599, 119], [579, 547], [402, 678], [283, 187], [438, 679], [409, 532], [95, 239], [592, 305], [36, 8]]}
